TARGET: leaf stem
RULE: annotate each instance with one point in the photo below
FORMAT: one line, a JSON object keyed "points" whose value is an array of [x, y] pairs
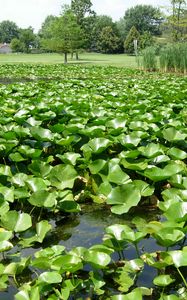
{"points": [[181, 275]]}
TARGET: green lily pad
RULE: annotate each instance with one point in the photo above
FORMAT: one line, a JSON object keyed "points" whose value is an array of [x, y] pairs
{"points": [[98, 145], [69, 158], [176, 153], [179, 257], [97, 165], [16, 221], [41, 134], [151, 150], [36, 184], [158, 174], [163, 280], [171, 134], [115, 173], [168, 236], [97, 259], [63, 176], [50, 277], [43, 199], [123, 198]]}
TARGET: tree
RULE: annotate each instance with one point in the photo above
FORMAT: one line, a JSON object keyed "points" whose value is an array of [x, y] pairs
{"points": [[45, 31], [27, 37], [144, 18], [82, 10], [108, 41], [8, 31], [121, 27], [66, 34], [101, 22], [17, 46], [131, 37], [177, 19], [146, 40]]}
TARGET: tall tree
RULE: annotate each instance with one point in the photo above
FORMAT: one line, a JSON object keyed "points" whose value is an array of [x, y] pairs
{"points": [[144, 18], [66, 34], [8, 31], [177, 17], [121, 26], [81, 9], [84, 16], [45, 31]]}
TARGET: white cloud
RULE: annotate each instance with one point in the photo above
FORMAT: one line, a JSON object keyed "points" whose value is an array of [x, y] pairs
{"points": [[33, 12]]}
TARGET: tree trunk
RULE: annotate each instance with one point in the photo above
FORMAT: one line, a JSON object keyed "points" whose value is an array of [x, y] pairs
{"points": [[65, 58], [71, 55], [77, 55]]}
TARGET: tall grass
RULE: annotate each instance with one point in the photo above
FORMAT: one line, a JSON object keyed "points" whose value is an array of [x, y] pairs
{"points": [[148, 59], [173, 58]]}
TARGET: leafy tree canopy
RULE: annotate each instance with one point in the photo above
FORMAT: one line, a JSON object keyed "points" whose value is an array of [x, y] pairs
{"points": [[17, 46], [81, 8], [108, 41], [8, 31], [45, 31], [101, 22], [27, 37], [144, 18], [177, 20], [67, 35]]}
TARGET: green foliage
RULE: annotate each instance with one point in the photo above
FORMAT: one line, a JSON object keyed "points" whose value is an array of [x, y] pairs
{"points": [[81, 8], [144, 18], [121, 27], [8, 31], [99, 23], [108, 41], [45, 31], [66, 34], [173, 57], [131, 37], [16, 45], [149, 59], [176, 21], [146, 40], [124, 148], [27, 37]]}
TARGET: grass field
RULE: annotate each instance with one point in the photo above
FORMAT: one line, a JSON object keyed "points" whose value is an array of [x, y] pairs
{"points": [[119, 60]]}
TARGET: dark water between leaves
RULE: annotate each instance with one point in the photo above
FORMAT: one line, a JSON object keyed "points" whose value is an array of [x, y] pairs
{"points": [[87, 229]]}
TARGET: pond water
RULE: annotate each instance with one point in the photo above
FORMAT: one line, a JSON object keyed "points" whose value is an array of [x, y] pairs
{"points": [[87, 229]]}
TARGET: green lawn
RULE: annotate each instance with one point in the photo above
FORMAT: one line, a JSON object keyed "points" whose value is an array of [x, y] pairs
{"points": [[120, 60]]}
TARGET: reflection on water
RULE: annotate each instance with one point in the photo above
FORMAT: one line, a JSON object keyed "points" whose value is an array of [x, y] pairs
{"points": [[87, 229]]}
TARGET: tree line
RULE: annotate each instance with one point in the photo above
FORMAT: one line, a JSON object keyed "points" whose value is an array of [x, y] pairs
{"points": [[78, 27]]}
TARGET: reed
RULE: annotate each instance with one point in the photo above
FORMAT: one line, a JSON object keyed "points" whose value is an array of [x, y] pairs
{"points": [[173, 58], [149, 59]]}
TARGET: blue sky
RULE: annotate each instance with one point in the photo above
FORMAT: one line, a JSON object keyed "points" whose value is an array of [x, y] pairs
{"points": [[33, 12]]}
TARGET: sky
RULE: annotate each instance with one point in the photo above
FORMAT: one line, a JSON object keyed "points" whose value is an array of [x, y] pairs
{"points": [[27, 13]]}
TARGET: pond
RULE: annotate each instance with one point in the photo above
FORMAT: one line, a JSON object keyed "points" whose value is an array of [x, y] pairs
{"points": [[85, 230]]}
